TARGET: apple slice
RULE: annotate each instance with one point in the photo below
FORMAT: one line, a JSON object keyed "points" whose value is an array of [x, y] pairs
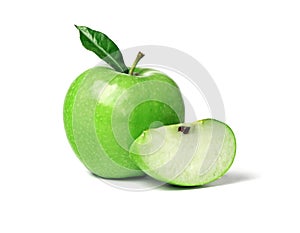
{"points": [[186, 154]]}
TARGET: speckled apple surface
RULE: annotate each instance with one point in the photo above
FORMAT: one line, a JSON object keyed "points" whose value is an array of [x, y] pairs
{"points": [[104, 111], [199, 157]]}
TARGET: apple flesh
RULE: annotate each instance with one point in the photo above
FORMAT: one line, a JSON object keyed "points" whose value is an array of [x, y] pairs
{"points": [[186, 154], [105, 111]]}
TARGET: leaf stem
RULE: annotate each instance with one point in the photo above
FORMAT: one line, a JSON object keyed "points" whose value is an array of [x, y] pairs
{"points": [[139, 56]]}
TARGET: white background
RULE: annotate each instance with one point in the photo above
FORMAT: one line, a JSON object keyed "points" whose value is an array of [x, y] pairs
{"points": [[251, 49]]}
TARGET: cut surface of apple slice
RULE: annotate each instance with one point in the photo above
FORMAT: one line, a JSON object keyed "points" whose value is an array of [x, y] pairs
{"points": [[186, 154]]}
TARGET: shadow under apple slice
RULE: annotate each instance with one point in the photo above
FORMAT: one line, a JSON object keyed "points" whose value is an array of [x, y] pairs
{"points": [[229, 178]]}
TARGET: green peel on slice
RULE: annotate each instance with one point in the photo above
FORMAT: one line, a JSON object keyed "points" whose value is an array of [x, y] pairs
{"points": [[189, 154]]}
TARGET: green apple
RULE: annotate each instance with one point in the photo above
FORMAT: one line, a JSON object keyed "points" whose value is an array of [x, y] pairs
{"points": [[106, 109], [186, 154]]}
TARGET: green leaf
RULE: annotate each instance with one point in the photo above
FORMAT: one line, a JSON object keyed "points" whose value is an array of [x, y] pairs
{"points": [[103, 47]]}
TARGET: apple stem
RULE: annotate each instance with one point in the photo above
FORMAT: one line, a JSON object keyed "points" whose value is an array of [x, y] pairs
{"points": [[138, 58]]}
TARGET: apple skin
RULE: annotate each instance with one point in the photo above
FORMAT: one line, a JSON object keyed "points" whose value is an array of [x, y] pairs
{"points": [[105, 111]]}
